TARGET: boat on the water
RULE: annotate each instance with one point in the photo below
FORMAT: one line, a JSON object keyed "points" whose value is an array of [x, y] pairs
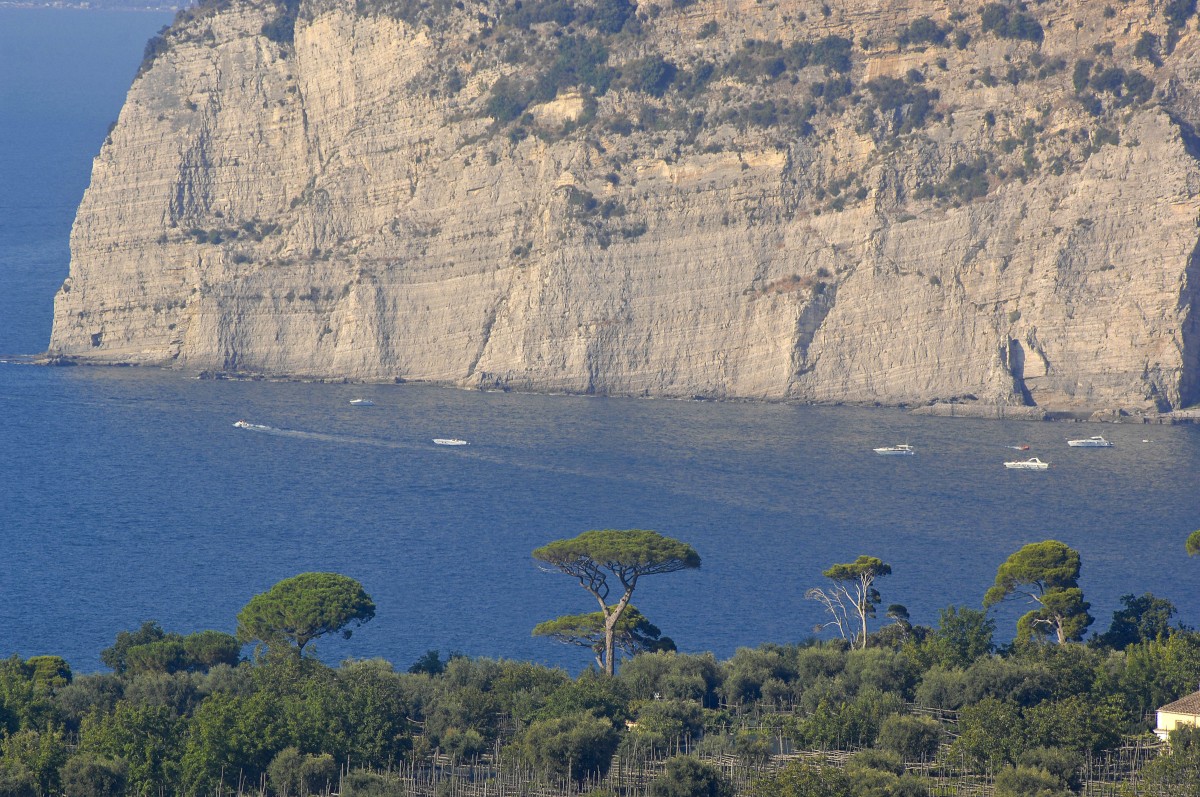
{"points": [[1022, 447], [902, 450], [361, 402], [448, 441], [247, 425], [1033, 463], [1095, 441]]}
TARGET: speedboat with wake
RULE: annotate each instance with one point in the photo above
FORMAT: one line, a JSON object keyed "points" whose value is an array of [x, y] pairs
{"points": [[257, 427], [902, 450], [448, 441]]}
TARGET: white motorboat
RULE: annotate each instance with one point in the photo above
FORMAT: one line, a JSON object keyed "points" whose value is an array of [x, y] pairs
{"points": [[258, 427], [360, 402], [1033, 463], [448, 441], [1095, 441], [902, 450]]}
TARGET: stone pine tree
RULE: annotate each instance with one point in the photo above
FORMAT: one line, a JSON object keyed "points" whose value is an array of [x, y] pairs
{"points": [[611, 562], [1193, 543], [299, 609], [851, 597], [633, 633], [1045, 574]]}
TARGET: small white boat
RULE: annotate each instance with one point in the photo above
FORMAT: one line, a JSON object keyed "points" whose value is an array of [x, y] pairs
{"points": [[448, 441], [361, 403], [1033, 463], [247, 425], [902, 450], [1095, 441]]}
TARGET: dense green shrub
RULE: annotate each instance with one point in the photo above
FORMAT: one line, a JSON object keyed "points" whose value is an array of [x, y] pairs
{"points": [[800, 779], [88, 775], [911, 738], [1028, 782], [1007, 22], [1178, 12], [685, 776], [651, 75], [922, 30], [580, 745]]}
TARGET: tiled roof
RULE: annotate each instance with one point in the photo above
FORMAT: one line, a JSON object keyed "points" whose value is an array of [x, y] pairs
{"points": [[1189, 704]]}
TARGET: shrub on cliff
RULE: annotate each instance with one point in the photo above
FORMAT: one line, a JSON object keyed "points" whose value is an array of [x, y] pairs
{"points": [[1010, 23], [922, 30]]}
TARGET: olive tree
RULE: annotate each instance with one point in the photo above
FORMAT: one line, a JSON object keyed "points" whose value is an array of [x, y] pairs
{"points": [[594, 557], [1047, 575], [299, 609], [851, 598]]}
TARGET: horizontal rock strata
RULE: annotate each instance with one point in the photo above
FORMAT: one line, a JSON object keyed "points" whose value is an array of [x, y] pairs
{"points": [[965, 222]]}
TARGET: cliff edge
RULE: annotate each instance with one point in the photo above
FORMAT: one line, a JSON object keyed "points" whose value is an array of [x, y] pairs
{"points": [[867, 201]]}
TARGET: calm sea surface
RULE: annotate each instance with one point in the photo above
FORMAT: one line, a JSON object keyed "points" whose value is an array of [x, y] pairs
{"points": [[127, 495]]}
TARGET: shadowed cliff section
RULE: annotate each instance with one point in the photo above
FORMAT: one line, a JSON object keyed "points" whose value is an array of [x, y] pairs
{"points": [[839, 202]]}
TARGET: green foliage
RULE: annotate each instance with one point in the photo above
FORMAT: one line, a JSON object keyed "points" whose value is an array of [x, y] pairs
{"points": [[851, 599], [800, 779], [757, 59], [673, 675], [282, 28], [579, 745], [148, 739], [992, 733], [1046, 573], [1178, 12], [1006, 22], [651, 75], [685, 776], [1193, 543], [922, 30], [293, 773], [1063, 765], [1142, 619], [1178, 772], [1147, 48], [633, 633], [151, 650], [910, 737], [963, 636], [625, 556], [1028, 782], [1081, 77], [908, 106], [114, 657], [361, 783], [302, 608], [1079, 723], [50, 673], [591, 693], [35, 755], [17, 781], [430, 663], [834, 725], [89, 775]]}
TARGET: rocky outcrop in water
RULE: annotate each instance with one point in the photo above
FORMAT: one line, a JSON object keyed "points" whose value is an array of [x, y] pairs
{"points": [[895, 202]]}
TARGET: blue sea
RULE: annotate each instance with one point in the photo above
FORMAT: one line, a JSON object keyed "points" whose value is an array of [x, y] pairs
{"points": [[128, 495]]}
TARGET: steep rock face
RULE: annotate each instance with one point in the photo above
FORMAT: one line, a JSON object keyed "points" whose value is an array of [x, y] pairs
{"points": [[328, 206]]}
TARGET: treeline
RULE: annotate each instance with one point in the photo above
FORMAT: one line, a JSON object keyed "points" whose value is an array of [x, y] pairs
{"points": [[184, 715]]}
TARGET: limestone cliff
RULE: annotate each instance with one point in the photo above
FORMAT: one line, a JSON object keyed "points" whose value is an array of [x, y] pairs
{"points": [[888, 201]]}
